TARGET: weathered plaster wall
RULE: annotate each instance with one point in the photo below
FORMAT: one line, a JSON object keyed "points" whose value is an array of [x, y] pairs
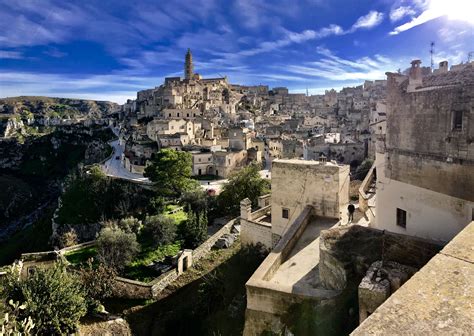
{"points": [[430, 214], [253, 233], [421, 139], [297, 183]]}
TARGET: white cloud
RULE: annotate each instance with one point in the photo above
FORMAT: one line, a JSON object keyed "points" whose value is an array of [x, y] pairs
{"points": [[370, 20], [460, 10], [334, 68], [7, 54], [399, 13]]}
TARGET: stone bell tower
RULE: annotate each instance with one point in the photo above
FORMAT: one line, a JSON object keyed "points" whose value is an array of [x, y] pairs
{"points": [[188, 65]]}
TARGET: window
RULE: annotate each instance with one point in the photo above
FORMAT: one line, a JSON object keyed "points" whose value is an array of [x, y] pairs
{"points": [[285, 213], [401, 218], [457, 120]]}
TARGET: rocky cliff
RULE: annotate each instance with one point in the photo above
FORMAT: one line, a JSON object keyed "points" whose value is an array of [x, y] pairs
{"points": [[21, 116]]}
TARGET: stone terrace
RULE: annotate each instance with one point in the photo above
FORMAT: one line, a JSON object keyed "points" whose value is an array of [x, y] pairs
{"points": [[300, 269]]}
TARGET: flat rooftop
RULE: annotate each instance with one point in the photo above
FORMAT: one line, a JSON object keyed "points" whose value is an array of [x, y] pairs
{"points": [[300, 270]]}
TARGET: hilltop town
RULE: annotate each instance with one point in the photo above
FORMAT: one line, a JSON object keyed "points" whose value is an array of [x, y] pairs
{"points": [[294, 214], [227, 126]]}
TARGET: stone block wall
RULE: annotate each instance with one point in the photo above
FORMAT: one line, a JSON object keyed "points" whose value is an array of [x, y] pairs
{"points": [[253, 233], [346, 253]]}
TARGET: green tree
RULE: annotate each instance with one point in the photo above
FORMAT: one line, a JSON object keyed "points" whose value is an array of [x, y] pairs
{"points": [[246, 183], [196, 199], [54, 299], [116, 248], [194, 229], [171, 172], [161, 228], [363, 169]]}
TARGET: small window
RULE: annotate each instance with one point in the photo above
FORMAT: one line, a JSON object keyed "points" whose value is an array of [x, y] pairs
{"points": [[457, 120], [285, 213], [401, 218]]}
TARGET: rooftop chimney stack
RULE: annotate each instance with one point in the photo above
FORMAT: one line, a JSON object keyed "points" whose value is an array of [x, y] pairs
{"points": [[443, 66], [414, 77]]}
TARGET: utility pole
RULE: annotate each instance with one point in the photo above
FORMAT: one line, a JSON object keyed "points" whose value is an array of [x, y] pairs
{"points": [[432, 45]]}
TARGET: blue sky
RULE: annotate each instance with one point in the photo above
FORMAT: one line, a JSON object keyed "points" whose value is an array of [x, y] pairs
{"points": [[110, 49]]}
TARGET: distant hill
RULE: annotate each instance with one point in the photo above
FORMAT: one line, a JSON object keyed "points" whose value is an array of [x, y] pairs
{"points": [[64, 108]]}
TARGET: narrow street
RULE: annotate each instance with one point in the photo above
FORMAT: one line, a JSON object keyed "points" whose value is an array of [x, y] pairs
{"points": [[114, 167]]}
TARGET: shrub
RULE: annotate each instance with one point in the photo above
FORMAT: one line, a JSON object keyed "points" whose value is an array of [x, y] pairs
{"points": [[54, 299], [98, 282], [116, 248], [130, 225], [161, 228], [68, 238], [13, 324], [363, 169]]}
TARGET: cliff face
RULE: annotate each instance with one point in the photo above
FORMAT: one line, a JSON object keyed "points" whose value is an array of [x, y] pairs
{"points": [[20, 116], [29, 106]]}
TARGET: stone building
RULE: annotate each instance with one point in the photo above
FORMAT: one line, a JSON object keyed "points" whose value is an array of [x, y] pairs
{"points": [[425, 166]]}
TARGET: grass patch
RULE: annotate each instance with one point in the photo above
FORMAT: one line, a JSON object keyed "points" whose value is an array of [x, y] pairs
{"points": [[81, 256], [138, 269], [179, 216]]}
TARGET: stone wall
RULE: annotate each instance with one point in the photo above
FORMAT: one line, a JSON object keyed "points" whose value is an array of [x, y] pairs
{"points": [[203, 249], [297, 183], [346, 253], [253, 233], [422, 145]]}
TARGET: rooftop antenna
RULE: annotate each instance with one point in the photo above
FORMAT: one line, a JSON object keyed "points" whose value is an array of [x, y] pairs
{"points": [[432, 46]]}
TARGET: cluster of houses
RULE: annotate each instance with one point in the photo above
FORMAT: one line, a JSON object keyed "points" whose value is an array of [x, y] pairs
{"points": [[227, 126]]}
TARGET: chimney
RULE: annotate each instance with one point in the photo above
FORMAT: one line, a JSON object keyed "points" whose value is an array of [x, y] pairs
{"points": [[443, 66], [245, 209], [414, 76]]}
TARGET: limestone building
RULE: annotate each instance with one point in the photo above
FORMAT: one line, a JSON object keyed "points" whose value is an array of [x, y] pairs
{"points": [[425, 165]]}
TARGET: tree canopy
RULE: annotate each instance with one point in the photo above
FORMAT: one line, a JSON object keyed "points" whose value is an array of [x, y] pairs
{"points": [[116, 248], [171, 172], [246, 183]]}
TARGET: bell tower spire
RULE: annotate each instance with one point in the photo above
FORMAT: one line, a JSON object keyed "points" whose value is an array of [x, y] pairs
{"points": [[188, 65]]}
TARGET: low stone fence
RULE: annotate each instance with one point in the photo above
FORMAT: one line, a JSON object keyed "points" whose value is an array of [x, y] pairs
{"points": [[76, 247], [203, 249], [132, 289]]}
